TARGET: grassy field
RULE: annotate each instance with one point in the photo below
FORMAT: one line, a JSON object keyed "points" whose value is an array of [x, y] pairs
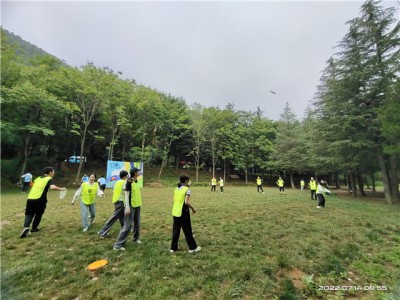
{"points": [[254, 246]]}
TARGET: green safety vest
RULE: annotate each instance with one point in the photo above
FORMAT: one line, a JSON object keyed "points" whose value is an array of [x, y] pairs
{"points": [[258, 181], [313, 185], [179, 199], [118, 190], [280, 182], [88, 193], [38, 187], [136, 197]]}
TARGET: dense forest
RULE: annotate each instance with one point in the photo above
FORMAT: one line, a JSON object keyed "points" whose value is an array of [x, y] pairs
{"points": [[351, 129]]}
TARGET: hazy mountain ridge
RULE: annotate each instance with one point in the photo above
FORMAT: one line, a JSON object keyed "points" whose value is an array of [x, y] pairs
{"points": [[24, 50]]}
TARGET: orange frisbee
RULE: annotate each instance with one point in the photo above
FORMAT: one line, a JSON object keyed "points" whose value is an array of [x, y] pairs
{"points": [[97, 265]]}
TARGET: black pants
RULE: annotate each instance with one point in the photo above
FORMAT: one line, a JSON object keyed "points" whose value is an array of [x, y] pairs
{"points": [[25, 186], [184, 223], [213, 188], [321, 200], [258, 188], [102, 187], [221, 189], [34, 211], [313, 195]]}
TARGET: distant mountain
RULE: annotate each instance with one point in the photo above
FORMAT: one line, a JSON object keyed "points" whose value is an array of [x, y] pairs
{"points": [[24, 50]]}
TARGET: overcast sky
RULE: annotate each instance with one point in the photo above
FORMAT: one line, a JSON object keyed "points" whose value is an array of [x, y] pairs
{"points": [[206, 52]]}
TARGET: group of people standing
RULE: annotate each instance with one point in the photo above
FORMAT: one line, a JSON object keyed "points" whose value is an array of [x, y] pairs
{"points": [[214, 184], [318, 189], [127, 202]]}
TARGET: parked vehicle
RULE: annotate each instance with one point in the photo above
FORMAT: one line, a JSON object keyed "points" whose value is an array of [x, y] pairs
{"points": [[76, 159]]}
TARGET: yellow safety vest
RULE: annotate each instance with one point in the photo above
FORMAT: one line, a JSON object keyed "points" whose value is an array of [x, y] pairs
{"points": [[280, 182], [313, 185], [213, 181], [118, 190], [136, 197], [179, 199], [302, 182], [89, 193], [258, 181], [221, 182], [38, 187]]}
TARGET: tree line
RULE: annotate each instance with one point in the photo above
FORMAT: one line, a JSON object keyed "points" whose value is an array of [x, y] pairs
{"points": [[351, 127]]}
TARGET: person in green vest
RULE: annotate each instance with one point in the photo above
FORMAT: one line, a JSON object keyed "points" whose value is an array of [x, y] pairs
{"points": [[259, 187], [302, 183], [118, 201], [322, 188], [281, 184], [37, 199], [313, 188], [88, 192], [181, 216], [132, 204], [221, 184], [213, 183]]}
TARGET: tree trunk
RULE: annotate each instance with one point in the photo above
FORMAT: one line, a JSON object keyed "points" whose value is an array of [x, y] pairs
{"points": [[345, 179], [352, 183], [224, 169], [385, 178], [360, 183], [349, 187], [373, 181], [78, 173], [337, 182], [26, 147], [366, 181], [394, 179], [291, 180], [245, 172]]}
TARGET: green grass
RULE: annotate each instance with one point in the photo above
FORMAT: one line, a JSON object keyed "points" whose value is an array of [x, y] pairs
{"points": [[254, 246]]}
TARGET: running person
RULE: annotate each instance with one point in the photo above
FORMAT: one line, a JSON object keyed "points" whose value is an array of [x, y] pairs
{"points": [[37, 199], [118, 201]]}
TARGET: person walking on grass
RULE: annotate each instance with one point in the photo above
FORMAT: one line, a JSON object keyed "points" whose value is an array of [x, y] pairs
{"points": [[88, 192], [26, 182], [313, 187], [221, 184], [302, 183], [132, 202], [37, 199], [213, 183], [259, 187], [322, 188], [118, 201], [181, 216], [281, 184]]}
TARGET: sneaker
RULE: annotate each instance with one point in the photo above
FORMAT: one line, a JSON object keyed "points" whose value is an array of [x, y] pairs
{"points": [[24, 232], [119, 249], [85, 229], [102, 236], [36, 229], [318, 206], [137, 241], [195, 250], [172, 251]]}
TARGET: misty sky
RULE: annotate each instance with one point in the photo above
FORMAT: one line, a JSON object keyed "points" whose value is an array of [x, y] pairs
{"points": [[206, 52]]}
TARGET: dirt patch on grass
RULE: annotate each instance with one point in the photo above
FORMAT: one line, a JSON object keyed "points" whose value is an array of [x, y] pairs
{"points": [[155, 185], [3, 223], [295, 275]]}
